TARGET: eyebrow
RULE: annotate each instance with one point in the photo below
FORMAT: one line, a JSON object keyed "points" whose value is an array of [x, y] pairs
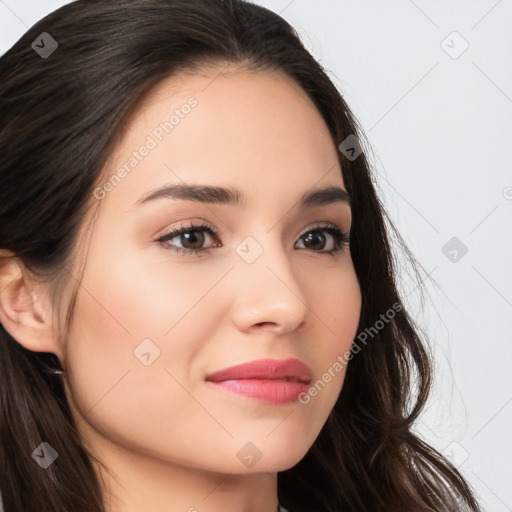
{"points": [[234, 197]]}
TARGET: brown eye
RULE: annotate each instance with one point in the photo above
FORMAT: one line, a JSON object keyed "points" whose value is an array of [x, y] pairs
{"points": [[192, 238], [316, 240]]}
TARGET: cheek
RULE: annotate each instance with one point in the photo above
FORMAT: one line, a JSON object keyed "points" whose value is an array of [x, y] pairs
{"points": [[336, 303], [131, 297], [335, 297], [129, 313], [346, 311], [116, 331]]}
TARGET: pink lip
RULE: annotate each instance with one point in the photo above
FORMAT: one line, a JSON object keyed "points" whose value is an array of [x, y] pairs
{"points": [[268, 380]]}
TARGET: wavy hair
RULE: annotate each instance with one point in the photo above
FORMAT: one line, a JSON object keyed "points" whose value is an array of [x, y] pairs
{"points": [[60, 119]]}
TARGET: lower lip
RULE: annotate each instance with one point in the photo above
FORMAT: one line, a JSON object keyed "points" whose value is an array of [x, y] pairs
{"points": [[269, 391]]}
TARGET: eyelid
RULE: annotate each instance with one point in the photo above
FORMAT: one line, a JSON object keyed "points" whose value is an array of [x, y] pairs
{"points": [[340, 236], [336, 220]]}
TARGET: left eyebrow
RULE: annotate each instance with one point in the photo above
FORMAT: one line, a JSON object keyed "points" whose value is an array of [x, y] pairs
{"points": [[234, 197]]}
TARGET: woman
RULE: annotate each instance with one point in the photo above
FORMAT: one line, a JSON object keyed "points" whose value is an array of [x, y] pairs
{"points": [[197, 294]]}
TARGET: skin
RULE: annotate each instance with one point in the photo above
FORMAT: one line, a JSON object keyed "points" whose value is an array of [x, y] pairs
{"points": [[170, 439]]}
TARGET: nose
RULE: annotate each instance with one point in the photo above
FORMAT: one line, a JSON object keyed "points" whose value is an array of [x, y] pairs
{"points": [[270, 296]]}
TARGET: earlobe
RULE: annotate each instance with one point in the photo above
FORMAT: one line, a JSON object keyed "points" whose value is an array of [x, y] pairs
{"points": [[21, 312]]}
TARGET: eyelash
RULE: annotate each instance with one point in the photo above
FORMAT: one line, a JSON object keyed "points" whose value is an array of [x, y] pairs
{"points": [[341, 238]]}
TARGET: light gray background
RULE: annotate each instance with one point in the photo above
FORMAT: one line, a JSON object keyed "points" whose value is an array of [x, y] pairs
{"points": [[440, 127]]}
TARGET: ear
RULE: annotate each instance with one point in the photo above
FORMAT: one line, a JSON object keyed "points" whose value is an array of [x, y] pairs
{"points": [[22, 312]]}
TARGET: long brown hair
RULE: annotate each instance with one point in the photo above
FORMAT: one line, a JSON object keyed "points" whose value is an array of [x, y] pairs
{"points": [[60, 117]]}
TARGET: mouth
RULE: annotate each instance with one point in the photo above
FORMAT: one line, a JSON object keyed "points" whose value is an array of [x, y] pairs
{"points": [[267, 380]]}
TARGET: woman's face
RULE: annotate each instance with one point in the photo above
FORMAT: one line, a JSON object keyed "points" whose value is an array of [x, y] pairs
{"points": [[150, 323]]}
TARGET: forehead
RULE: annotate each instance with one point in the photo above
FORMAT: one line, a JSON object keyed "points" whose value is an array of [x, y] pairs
{"points": [[258, 130]]}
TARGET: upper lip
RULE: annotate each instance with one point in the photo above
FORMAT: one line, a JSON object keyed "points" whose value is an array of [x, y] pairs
{"points": [[268, 369]]}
